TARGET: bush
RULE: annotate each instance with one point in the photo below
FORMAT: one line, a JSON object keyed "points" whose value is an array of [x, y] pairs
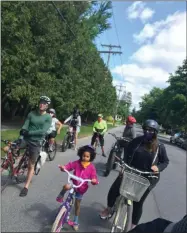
{"points": [[109, 119]]}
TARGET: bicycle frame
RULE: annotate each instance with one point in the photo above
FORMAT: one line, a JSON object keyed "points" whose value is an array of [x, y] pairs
{"points": [[122, 201], [68, 203]]}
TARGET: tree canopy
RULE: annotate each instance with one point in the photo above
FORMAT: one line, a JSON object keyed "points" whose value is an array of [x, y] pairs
{"points": [[45, 54], [168, 106]]}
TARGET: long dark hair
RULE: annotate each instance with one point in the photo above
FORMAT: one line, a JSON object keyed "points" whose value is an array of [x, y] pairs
{"points": [[153, 145]]}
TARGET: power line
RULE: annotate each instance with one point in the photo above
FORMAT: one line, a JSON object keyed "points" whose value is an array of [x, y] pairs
{"points": [[62, 17], [113, 16]]}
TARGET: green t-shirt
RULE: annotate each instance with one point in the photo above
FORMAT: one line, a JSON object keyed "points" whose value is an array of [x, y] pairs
{"points": [[37, 125], [100, 127]]}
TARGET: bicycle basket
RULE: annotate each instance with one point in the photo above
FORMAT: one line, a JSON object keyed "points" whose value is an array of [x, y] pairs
{"points": [[133, 186]]}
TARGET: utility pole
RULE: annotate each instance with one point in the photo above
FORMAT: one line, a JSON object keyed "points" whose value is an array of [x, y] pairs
{"points": [[120, 89], [109, 52]]}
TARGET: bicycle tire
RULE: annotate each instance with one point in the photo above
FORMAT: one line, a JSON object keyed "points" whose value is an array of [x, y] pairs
{"points": [[4, 183], [22, 168], [57, 221], [110, 162], [51, 158], [36, 170], [120, 212], [65, 143]]}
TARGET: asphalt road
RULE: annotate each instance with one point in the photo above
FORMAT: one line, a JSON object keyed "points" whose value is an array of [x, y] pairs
{"points": [[35, 213]]}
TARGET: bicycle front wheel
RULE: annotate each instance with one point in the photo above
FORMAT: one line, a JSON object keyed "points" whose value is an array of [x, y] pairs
{"points": [[60, 220], [120, 218], [110, 162], [6, 173], [65, 143], [22, 169]]}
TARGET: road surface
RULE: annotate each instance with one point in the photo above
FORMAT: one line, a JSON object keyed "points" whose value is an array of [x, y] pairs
{"points": [[35, 213]]}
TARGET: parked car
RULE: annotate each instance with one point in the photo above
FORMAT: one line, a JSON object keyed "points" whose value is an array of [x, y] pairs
{"points": [[184, 144], [181, 139], [173, 139]]}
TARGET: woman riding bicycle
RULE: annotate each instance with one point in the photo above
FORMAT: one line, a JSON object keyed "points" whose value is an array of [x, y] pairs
{"points": [[52, 132], [144, 153]]}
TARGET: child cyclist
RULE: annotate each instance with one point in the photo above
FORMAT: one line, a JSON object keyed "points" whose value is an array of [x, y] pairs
{"points": [[84, 169]]}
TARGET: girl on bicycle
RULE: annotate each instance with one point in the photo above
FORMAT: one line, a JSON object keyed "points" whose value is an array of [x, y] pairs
{"points": [[83, 168], [144, 153]]}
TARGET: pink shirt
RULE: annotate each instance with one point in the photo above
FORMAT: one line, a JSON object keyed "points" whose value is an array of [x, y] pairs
{"points": [[84, 173]]}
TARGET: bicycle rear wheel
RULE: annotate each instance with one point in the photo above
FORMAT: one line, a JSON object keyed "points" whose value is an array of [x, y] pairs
{"points": [[60, 220], [120, 218], [22, 169], [6, 173], [52, 154]]}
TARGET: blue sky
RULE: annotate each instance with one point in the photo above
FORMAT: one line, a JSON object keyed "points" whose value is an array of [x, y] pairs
{"points": [[131, 18]]}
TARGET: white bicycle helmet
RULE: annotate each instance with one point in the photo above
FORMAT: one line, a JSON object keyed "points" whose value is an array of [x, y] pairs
{"points": [[46, 99], [52, 110]]}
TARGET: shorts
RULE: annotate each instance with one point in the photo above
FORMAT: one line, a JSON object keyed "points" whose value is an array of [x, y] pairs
{"points": [[78, 196], [76, 128], [101, 139], [33, 148], [52, 134]]}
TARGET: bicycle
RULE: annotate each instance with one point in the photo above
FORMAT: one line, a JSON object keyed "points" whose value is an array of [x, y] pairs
{"points": [[68, 140], [45, 148], [116, 150], [9, 169], [65, 208], [132, 188]]}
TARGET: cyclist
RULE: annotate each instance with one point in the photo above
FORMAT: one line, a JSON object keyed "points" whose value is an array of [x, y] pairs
{"points": [[75, 122], [143, 153], [99, 129], [34, 131], [52, 132], [85, 169], [130, 131]]}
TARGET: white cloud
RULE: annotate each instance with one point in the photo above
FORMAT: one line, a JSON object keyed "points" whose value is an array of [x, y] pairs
{"points": [[138, 10], [163, 49]]}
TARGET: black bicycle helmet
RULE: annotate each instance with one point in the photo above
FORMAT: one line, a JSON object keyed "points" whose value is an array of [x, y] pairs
{"points": [[151, 124]]}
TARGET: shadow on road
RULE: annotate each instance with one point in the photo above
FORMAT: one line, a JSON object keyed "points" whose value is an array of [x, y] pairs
{"points": [[42, 215], [93, 223]]}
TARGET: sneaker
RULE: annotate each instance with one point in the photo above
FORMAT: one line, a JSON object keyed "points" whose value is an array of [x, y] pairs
{"points": [[76, 227], [106, 214], [23, 192], [103, 154]]}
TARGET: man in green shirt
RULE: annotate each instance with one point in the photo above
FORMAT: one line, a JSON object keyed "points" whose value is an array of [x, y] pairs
{"points": [[99, 129], [34, 131]]}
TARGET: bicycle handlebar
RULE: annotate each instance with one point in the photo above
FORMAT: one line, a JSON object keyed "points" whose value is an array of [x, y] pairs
{"points": [[123, 165], [9, 142], [117, 138], [82, 181]]}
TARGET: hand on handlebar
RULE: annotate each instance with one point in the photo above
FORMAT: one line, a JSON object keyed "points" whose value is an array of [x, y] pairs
{"points": [[61, 168], [94, 181], [155, 169]]}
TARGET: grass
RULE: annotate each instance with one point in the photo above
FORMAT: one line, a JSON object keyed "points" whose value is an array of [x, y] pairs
{"points": [[85, 131]]}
